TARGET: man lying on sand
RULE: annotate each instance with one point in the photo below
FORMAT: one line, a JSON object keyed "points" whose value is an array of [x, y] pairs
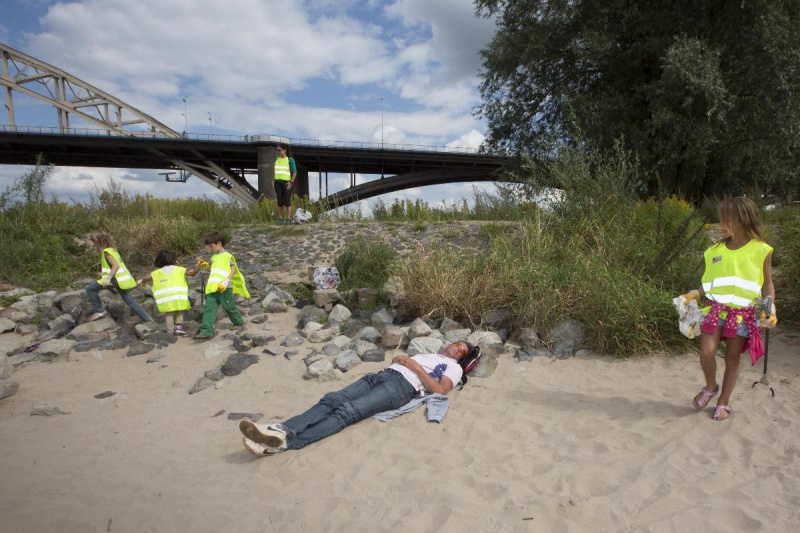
{"points": [[391, 388]]}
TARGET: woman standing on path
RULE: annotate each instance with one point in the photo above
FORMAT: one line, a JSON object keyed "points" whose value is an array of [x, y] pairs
{"points": [[285, 174]]}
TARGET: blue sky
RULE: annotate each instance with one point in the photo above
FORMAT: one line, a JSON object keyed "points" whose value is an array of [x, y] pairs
{"points": [[322, 69]]}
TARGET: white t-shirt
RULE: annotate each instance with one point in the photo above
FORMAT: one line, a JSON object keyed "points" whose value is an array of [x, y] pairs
{"points": [[435, 365]]}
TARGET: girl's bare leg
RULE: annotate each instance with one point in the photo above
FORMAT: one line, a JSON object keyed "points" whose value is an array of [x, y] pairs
{"points": [[708, 352], [733, 353]]}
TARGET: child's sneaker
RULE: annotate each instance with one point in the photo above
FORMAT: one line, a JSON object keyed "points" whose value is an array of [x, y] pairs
{"points": [[98, 316], [180, 330], [280, 222], [270, 435]]}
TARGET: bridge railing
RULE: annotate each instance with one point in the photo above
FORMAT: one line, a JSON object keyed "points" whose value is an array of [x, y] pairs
{"points": [[89, 132]]}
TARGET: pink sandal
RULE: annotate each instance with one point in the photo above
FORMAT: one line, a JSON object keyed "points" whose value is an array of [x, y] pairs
{"points": [[719, 410], [703, 397]]}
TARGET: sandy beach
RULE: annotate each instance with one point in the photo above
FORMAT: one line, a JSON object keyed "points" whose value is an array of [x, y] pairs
{"points": [[585, 444]]}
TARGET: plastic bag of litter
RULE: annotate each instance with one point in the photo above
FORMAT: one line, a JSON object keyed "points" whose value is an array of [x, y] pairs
{"points": [[326, 277], [302, 215], [690, 317]]}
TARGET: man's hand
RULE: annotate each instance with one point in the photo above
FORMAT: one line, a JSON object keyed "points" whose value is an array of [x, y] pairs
{"points": [[105, 282], [222, 286]]}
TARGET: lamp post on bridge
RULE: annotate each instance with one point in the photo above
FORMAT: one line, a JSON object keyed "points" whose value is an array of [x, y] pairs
{"points": [[185, 117], [210, 124], [381, 122]]}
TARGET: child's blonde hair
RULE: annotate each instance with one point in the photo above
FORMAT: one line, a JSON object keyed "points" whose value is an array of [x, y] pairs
{"points": [[102, 240], [744, 213]]}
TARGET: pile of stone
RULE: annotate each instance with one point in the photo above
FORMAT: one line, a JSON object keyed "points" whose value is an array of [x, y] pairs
{"points": [[336, 332]]}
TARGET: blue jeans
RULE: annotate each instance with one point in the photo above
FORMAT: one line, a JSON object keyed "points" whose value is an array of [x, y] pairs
{"points": [[373, 393], [93, 290]]}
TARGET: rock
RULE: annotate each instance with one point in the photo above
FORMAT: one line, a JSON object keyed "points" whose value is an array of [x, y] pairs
{"points": [[255, 417], [292, 340], [321, 370], [566, 337], [6, 368], [347, 359], [144, 330], [46, 409], [278, 350], [260, 318], [8, 387], [494, 318], [104, 324], [161, 339], [56, 328], [418, 328], [217, 349], [239, 345], [7, 326], [215, 374], [393, 289], [139, 348], [339, 313], [486, 366], [323, 297], [375, 355], [23, 357], [277, 306], [310, 328], [529, 338], [455, 335], [484, 337], [324, 335], [105, 394], [69, 302], [522, 356], [381, 319], [448, 324], [394, 337], [202, 383], [311, 313], [424, 345], [55, 347], [155, 358], [362, 347], [368, 334], [237, 363]]}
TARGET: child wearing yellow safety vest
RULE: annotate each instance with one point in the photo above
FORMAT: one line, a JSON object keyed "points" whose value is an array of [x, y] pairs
{"points": [[170, 290], [738, 270], [224, 280], [116, 278]]}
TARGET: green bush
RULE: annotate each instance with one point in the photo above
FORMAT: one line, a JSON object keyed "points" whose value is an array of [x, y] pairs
{"points": [[365, 263]]}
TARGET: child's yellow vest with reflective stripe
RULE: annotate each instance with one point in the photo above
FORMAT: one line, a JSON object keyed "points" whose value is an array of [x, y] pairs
{"points": [[220, 268], [170, 289], [122, 276], [735, 277]]}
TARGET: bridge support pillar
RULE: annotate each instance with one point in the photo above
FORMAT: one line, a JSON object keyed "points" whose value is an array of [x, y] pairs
{"points": [[266, 171]]}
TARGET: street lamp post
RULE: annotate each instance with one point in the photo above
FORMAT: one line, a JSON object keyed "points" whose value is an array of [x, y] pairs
{"points": [[381, 122], [210, 123], [185, 116]]}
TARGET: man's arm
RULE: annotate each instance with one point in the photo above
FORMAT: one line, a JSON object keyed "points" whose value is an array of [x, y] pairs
{"points": [[443, 386]]}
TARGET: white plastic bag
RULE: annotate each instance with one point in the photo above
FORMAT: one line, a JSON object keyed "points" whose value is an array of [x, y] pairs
{"points": [[326, 277], [301, 215], [690, 317]]}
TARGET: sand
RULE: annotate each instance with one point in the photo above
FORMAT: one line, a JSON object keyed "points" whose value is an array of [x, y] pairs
{"points": [[585, 444]]}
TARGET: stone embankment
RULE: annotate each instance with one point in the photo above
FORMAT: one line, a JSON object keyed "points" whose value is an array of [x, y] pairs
{"points": [[333, 333]]}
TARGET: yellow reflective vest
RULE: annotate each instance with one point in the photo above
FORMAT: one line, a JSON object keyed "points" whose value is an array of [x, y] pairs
{"points": [[170, 289], [734, 277], [220, 268], [283, 169], [122, 276]]}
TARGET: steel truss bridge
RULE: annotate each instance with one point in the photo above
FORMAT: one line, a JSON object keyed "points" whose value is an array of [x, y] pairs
{"points": [[122, 136]]}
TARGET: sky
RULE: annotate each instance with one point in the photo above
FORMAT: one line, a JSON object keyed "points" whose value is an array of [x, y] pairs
{"points": [[343, 70]]}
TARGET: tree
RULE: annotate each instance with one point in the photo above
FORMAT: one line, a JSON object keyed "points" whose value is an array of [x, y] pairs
{"points": [[704, 91]]}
